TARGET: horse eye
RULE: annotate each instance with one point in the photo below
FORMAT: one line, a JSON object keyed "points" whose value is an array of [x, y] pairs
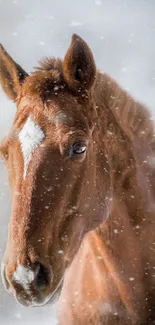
{"points": [[78, 149]]}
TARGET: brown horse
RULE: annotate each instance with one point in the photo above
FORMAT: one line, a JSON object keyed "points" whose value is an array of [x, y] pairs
{"points": [[80, 158]]}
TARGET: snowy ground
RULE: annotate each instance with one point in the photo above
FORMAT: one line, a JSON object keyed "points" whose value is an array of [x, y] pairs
{"points": [[121, 34]]}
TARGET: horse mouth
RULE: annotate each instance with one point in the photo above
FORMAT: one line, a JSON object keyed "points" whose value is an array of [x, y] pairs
{"points": [[53, 298], [29, 297]]}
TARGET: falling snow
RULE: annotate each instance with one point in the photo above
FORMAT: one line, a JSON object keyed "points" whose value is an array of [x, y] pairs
{"points": [[118, 33]]}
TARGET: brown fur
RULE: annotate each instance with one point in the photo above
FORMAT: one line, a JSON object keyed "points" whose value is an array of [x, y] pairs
{"points": [[94, 213]]}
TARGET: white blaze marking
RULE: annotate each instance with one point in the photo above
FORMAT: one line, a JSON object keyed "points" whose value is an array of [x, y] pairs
{"points": [[24, 277], [30, 138]]}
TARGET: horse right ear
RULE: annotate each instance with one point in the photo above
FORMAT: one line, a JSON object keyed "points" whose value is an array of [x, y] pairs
{"points": [[11, 75], [79, 66]]}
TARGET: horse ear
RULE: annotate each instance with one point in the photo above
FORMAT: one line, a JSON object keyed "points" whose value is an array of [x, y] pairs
{"points": [[11, 75], [79, 66]]}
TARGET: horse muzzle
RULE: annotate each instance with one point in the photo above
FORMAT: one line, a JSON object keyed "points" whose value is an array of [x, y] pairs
{"points": [[31, 286]]}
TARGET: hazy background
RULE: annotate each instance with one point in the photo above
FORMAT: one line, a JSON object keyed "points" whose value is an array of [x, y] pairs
{"points": [[122, 37]]}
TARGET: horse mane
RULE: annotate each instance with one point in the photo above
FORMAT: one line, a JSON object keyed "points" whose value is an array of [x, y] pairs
{"points": [[133, 117]]}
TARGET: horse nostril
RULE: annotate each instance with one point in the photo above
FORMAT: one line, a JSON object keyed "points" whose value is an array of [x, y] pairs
{"points": [[42, 276]]}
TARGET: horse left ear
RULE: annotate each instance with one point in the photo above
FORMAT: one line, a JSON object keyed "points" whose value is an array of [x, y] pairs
{"points": [[79, 66], [11, 75]]}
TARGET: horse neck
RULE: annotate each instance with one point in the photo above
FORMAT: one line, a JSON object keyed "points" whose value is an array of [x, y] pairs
{"points": [[117, 256], [127, 132]]}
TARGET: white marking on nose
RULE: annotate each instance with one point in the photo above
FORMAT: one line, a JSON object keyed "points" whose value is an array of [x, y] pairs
{"points": [[24, 276], [30, 138]]}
